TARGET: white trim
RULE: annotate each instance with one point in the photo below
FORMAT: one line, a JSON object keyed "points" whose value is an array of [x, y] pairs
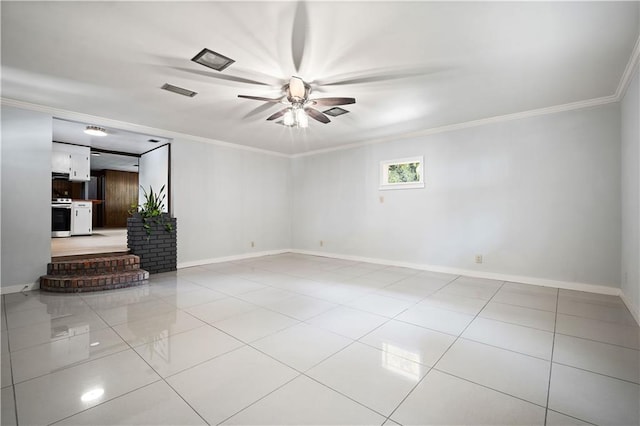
{"points": [[19, 287], [627, 75], [567, 285], [632, 308], [76, 116], [244, 256], [589, 103], [123, 125]]}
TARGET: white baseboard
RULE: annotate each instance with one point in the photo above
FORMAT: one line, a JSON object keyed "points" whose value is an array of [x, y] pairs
{"points": [[635, 310], [19, 287], [243, 256], [568, 285]]}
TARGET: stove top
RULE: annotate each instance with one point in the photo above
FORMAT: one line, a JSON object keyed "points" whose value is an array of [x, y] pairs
{"points": [[61, 200]]}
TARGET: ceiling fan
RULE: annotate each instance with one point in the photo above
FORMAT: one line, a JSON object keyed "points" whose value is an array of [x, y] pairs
{"points": [[299, 106]]}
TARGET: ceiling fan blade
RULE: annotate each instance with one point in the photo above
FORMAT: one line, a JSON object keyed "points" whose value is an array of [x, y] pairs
{"points": [[333, 101], [278, 114], [317, 115], [296, 88], [260, 98], [299, 34]]}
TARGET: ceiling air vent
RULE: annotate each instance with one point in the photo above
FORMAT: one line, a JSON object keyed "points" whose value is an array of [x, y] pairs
{"points": [[335, 111], [179, 90], [212, 59]]}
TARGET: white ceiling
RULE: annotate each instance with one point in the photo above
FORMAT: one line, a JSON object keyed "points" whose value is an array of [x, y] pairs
{"points": [[106, 161], [116, 140], [411, 66]]}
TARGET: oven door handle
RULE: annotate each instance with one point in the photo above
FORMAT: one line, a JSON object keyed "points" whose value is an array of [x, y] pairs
{"points": [[61, 206]]}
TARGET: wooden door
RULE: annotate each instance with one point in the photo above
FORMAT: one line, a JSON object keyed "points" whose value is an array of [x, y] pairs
{"points": [[121, 192]]}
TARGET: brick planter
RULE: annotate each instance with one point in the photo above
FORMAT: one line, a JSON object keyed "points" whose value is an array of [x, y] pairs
{"points": [[157, 249]]}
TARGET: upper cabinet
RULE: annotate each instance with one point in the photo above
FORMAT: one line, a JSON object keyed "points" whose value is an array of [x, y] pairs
{"points": [[80, 169], [60, 161], [73, 160]]}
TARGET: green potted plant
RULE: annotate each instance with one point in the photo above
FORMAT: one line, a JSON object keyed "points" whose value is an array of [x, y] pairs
{"points": [[151, 233]]}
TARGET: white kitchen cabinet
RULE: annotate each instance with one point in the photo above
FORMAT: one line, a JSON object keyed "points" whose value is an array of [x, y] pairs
{"points": [[73, 160], [60, 162], [81, 218], [80, 169]]}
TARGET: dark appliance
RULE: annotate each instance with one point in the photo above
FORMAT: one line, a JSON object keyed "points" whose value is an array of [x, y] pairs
{"points": [[61, 217]]}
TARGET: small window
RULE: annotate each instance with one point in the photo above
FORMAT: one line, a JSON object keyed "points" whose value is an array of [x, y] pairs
{"points": [[405, 173]]}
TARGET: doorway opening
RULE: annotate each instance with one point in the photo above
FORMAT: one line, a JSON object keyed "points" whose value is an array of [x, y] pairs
{"points": [[102, 199]]}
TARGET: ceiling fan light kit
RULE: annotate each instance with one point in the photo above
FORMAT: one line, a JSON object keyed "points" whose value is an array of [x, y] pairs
{"points": [[212, 59], [299, 106]]}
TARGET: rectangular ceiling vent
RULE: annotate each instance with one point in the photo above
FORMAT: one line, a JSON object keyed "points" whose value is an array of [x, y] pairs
{"points": [[335, 111], [179, 90], [212, 59]]}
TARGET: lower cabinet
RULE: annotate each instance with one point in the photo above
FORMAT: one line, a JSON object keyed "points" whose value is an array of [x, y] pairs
{"points": [[81, 218]]}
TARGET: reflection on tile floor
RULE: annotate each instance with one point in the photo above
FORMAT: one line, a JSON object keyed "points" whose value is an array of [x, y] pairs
{"points": [[296, 339]]}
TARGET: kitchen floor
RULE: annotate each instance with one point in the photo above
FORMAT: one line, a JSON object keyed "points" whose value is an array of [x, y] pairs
{"points": [[103, 240], [295, 339]]}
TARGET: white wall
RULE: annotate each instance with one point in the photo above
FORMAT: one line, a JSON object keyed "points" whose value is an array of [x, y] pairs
{"points": [[153, 172], [26, 197], [630, 124], [225, 198], [537, 197]]}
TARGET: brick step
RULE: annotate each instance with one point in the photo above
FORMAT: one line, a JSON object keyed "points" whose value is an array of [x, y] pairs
{"points": [[84, 283], [94, 265]]}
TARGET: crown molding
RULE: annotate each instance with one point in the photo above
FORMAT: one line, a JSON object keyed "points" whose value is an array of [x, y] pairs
{"points": [[589, 103], [627, 75], [131, 127]]}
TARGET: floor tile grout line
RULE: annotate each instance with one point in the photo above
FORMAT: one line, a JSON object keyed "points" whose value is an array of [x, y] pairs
{"points": [[598, 373], [573, 417], [104, 402], [164, 379], [553, 344], [598, 341], [490, 388], [601, 320], [441, 356], [506, 349], [522, 306], [258, 400], [518, 324], [346, 396], [69, 366], [304, 373]]}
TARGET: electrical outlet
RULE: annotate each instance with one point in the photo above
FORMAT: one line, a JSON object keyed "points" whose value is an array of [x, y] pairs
{"points": [[478, 258], [321, 243], [253, 244]]}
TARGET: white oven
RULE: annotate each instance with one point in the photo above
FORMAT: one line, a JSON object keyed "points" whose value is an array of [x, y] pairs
{"points": [[61, 217]]}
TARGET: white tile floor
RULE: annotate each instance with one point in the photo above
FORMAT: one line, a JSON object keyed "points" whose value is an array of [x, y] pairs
{"points": [[293, 339]]}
